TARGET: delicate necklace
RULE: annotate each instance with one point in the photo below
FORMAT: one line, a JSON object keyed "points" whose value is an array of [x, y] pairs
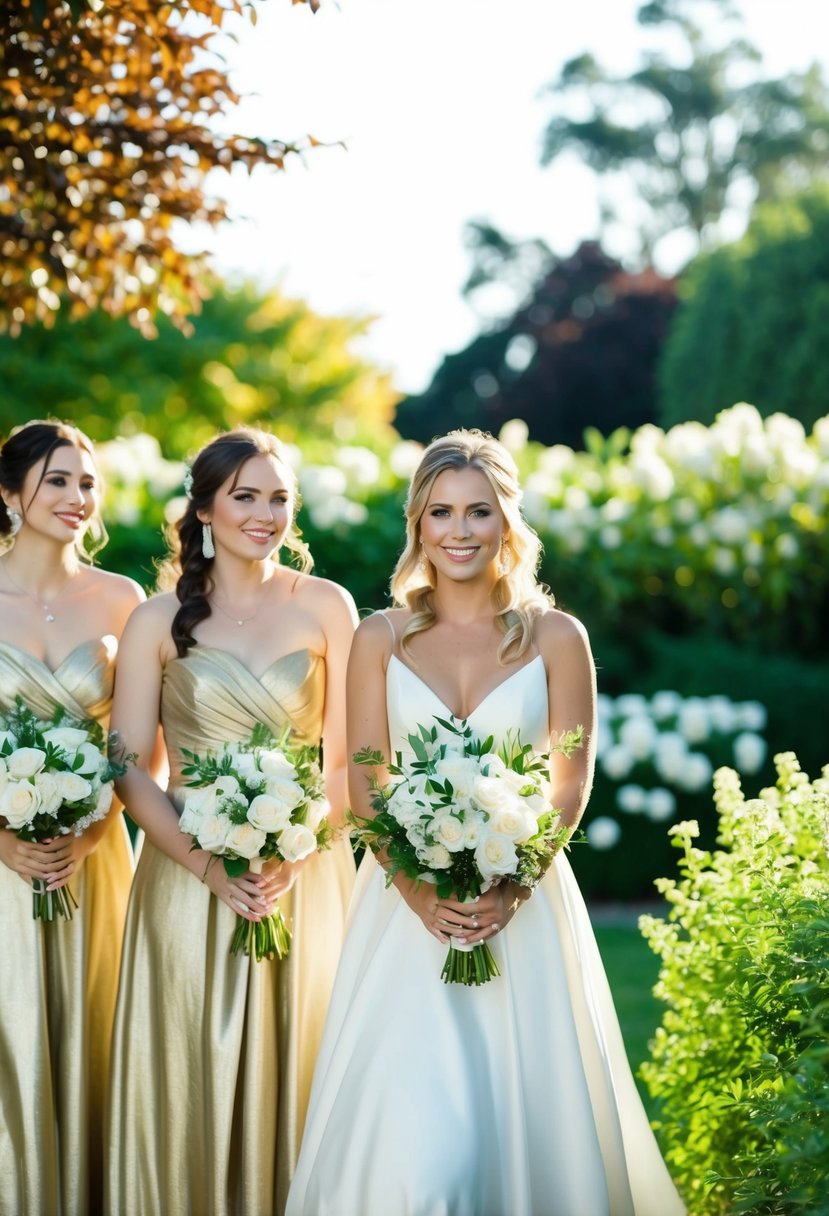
{"points": [[237, 620], [46, 606]]}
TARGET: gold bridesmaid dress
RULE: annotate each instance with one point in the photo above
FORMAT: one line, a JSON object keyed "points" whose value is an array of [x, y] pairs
{"points": [[58, 981], [213, 1053]]}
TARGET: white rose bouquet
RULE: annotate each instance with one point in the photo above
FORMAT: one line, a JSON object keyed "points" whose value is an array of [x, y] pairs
{"points": [[257, 800], [56, 777], [463, 815]]}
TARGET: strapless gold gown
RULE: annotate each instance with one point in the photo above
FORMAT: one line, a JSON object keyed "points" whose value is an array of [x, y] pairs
{"points": [[58, 982], [213, 1054]]}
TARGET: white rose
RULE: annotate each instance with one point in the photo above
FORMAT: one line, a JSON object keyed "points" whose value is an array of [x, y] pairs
{"points": [[188, 821], [25, 762], [448, 830], [460, 770], [316, 812], [496, 854], [104, 801], [4, 776], [244, 764], [492, 765], [416, 835], [436, 856], [473, 830], [49, 791], [284, 791], [296, 842], [245, 840], [73, 787], [268, 814], [275, 764], [67, 738], [492, 794], [19, 803], [93, 761], [513, 822], [212, 833], [226, 786]]}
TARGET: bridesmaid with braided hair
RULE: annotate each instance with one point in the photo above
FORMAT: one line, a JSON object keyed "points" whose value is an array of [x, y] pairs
{"points": [[213, 1052]]}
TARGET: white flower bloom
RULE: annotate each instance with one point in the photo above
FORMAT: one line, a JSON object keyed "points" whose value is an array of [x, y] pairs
{"points": [[321, 482], [724, 561], [93, 761], [25, 762], [495, 855], [723, 714], [638, 735], [274, 763], [461, 771], [67, 738], [283, 790], [104, 801], [296, 842], [787, 547], [493, 795], [630, 704], [19, 803], [436, 856], [447, 829], [751, 715], [407, 804], [660, 805], [243, 839], [473, 829], [338, 510], [49, 790], [244, 763], [200, 803], [212, 832], [749, 752], [268, 814], [694, 722], [665, 704], [361, 465], [730, 526], [631, 799], [610, 537], [603, 833], [753, 553], [695, 773], [685, 511], [515, 433], [316, 812], [617, 762], [404, 459], [73, 787], [515, 822], [226, 786]]}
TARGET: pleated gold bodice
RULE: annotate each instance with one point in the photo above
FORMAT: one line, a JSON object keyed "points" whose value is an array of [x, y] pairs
{"points": [[213, 1054], [82, 683], [58, 981], [209, 698]]}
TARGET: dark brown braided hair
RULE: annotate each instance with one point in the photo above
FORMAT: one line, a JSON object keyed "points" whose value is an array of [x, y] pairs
{"points": [[187, 566]]}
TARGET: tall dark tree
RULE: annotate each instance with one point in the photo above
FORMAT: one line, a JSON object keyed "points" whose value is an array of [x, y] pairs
{"points": [[579, 353], [695, 124]]}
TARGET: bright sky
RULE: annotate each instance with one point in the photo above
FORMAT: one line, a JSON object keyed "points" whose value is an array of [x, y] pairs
{"points": [[440, 104]]}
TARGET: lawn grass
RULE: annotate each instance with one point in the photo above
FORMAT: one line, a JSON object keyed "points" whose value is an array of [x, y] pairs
{"points": [[632, 970]]}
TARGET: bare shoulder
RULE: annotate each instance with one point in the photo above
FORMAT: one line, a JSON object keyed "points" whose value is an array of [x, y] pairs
{"points": [[558, 634], [123, 591], [153, 618], [376, 633], [327, 595]]}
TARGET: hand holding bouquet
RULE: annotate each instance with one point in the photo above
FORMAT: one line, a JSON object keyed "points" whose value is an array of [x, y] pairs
{"points": [[55, 777], [463, 815], [256, 800]]}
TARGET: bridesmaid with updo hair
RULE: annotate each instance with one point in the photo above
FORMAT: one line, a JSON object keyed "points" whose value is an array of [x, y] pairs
{"points": [[213, 1052], [60, 622]]}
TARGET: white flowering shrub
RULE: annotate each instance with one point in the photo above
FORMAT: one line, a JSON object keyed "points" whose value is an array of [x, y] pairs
{"points": [[656, 757]]}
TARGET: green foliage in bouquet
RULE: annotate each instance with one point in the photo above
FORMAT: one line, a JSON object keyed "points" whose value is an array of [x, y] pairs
{"points": [[739, 1065]]}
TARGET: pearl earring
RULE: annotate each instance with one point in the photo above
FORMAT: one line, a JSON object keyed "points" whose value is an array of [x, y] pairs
{"points": [[207, 547]]}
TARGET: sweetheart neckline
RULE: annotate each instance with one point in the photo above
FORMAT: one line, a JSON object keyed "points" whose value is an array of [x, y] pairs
{"points": [[201, 649], [53, 671], [480, 704]]}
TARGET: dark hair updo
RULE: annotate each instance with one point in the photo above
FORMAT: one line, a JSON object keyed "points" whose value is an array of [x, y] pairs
{"points": [[25, 447], [220, 460]]}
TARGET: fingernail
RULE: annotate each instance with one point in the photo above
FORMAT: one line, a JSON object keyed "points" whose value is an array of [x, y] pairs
{"points": [[495, 928]]}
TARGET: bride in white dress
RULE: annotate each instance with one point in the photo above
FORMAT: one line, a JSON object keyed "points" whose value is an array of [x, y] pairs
{"points": [[514, 1098]]}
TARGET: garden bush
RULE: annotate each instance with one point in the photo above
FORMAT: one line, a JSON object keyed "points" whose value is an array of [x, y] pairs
{"points": [[739, 1065]]}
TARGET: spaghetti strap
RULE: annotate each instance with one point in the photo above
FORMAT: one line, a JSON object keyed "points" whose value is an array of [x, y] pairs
{"points": [[385, 617]]}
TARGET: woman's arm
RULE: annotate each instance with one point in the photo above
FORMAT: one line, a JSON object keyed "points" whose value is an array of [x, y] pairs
{"points": [[135, 720], [339, 622]]}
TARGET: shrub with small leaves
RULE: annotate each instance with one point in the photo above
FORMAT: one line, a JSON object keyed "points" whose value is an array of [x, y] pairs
{"points": [[740, 1064]]}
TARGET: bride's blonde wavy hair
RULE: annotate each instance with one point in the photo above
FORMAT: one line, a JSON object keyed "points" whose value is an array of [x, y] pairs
{"points": [[518, 597]]}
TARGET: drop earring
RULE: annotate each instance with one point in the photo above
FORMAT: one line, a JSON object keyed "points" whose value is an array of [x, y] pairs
{"points": [[504, 561], [421, 565], [15, 521], [207, 546]]}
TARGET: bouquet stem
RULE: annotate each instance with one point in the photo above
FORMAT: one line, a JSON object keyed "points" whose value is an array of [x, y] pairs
{"points": [[268, 938], [465, 965], [49, 905]]}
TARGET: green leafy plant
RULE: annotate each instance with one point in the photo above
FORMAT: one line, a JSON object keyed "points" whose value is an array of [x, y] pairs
{"points": [[739, 1064]]}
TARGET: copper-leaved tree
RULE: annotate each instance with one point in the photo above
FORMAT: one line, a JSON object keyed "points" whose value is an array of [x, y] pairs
{"points": [[110, 118]]}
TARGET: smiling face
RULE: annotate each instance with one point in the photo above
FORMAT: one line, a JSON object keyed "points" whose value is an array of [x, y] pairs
{"points": [[60, 494], [252, 510], [462, 526]]}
